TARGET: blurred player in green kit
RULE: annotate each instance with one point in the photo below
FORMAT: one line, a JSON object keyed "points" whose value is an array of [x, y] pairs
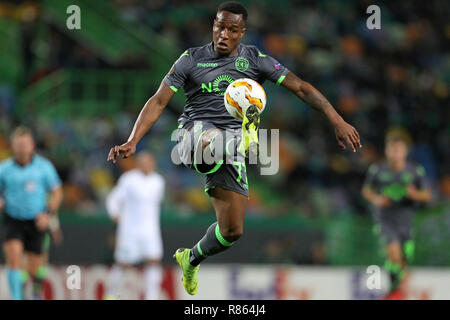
{"points": [[396, 187]]}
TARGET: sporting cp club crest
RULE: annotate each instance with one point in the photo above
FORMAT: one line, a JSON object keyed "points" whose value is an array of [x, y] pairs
{"points": [[241, 64]]}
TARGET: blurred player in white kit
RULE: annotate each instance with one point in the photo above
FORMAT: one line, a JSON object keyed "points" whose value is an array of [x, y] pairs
{"points": [[134, 204]]}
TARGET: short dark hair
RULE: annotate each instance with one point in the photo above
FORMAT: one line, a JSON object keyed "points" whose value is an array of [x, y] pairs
{"points": [[233, 7]]}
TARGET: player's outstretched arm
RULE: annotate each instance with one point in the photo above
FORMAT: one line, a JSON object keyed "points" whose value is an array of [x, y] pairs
{"points": [[147, 117], [345, 133]]}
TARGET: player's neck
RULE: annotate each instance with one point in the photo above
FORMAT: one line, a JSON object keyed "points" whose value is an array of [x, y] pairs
{"points": [[233, 53], [397, 165]]}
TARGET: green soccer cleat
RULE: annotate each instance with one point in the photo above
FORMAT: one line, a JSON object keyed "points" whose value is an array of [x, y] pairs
{"points": [[250, 126], [190, 279]]}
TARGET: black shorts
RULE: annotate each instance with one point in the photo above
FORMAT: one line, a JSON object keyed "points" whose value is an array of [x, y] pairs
{"points": [[394, 226], [25, 231], [229, 173]]}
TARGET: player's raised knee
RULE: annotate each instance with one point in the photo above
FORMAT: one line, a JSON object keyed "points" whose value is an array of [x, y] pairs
{"points": [[232, 233]]}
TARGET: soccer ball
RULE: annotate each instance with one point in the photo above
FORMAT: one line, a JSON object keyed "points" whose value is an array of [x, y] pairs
{"points": [[241, 94]]}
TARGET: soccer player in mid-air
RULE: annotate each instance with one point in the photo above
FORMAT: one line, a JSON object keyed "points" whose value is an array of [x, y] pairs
{"points": [[204, 73], [395, 187]]}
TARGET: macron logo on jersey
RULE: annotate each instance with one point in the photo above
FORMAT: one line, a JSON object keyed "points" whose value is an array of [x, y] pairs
{"points": [[207, 65]]}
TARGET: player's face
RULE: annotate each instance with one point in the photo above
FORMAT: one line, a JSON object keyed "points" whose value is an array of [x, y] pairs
{"points": [[146, 162], [228, 29], [396, 151], [23, 147]]}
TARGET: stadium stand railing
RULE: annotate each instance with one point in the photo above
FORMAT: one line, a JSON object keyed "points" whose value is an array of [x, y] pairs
{"points": [[11, 60], [76, 92], [111, 37], [87, 92]]}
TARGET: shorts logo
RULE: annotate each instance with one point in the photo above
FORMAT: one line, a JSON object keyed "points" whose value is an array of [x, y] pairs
{"points": [[241, 64], [277, 65]]}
